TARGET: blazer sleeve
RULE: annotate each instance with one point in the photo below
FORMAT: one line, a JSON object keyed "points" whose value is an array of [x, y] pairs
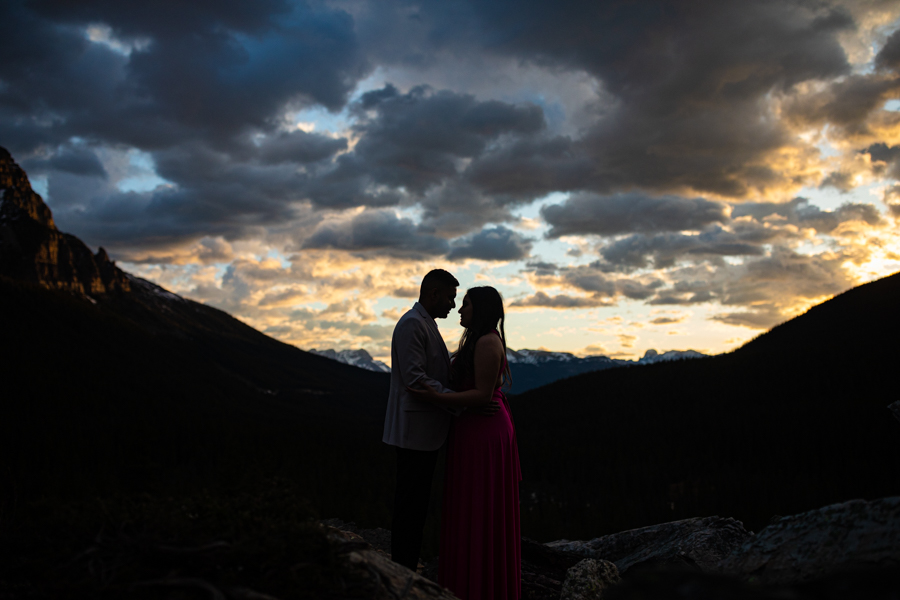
{"points": [[412, 353]]}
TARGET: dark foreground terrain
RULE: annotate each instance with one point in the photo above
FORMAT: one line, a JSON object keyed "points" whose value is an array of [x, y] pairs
{"points": [[116, 394]]}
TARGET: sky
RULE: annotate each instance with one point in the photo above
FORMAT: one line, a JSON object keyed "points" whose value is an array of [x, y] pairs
{"points": [[630, 175]]}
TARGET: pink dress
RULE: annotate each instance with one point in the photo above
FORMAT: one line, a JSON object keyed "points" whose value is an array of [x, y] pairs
{"points": [[480, 551]]}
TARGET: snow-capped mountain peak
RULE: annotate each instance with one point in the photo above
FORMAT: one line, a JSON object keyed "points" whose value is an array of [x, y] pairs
{"points": [[358, 358], [652, 356], [536, 357]]}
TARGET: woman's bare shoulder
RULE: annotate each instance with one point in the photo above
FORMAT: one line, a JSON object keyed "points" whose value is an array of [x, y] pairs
{"points": [[490, 343]]}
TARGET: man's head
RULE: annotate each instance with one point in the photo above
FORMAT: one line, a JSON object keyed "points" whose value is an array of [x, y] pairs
{"points": [[437, 294]]}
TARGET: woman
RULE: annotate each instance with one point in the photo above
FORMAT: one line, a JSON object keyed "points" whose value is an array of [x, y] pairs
{"points": [[480, 551]]}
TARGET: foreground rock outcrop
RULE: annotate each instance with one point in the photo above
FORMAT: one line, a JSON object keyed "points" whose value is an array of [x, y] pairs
{"points": [[855, 544], [388, 579], [814, 544], [700, 543]]}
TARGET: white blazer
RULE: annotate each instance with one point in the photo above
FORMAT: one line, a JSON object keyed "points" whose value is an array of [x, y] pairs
{"points": [[418, 354]]}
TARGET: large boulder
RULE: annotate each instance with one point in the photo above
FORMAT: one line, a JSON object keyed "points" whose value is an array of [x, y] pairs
{"points": [[817, 543], [588, 580], [699, 543]]}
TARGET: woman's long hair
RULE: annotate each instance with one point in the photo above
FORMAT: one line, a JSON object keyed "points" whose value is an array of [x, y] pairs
{"points": [[487, 315]]}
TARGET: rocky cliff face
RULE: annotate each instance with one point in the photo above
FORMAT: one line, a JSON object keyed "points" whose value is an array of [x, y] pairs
{"points": [[33, 249]]}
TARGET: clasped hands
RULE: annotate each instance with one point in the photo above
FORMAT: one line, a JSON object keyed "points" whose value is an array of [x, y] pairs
{"points": [[429, 394]]}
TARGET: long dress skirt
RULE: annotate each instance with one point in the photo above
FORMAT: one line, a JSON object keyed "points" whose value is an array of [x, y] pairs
{"points": [[480, 550]]}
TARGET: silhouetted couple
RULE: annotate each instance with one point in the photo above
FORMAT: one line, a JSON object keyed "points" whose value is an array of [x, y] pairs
{"points": [[434, 399]]}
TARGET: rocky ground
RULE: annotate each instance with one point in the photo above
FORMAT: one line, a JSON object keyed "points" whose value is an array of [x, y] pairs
{"points": [[264, 547], [848, 551]]}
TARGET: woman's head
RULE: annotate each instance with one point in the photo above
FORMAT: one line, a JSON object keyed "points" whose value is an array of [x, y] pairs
{"points": [[482, 310], [481, 313]]}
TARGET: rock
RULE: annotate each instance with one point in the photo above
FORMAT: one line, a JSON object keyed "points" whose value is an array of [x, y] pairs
{"points": [[379, 538], [393, 580], [544, 570], [699, 543], [588, 579], [814, 544], [389, 579], [33, 249], [895, 408], [878, 584]]}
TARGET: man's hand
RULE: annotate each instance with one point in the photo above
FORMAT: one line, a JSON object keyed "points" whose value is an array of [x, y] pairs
{"points": [[488, 410], [428, 394]]}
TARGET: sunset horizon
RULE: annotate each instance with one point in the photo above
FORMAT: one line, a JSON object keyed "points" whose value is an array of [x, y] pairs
{"points": [[660, 176]]}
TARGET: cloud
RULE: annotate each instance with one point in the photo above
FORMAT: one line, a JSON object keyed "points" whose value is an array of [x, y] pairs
{"points": [[208, 72], [168, 133], [299, 147], [496, 243], [376, 230], [889, 55], [563, 301], [630, 212], [800, 212], [668, 320], [417, 139]]}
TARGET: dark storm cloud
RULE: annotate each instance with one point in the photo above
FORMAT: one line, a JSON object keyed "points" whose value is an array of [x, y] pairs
{"points": [[530, 168], [377, 230], [664, 250], [540, 268], [595, 278], [890, 155], [803, 214], [68, 159], [495, 243], [847, 103], [603, 290], [690, 80], [415, 145], [299, 147], [208, 70], [202, 88], [416, 140], [213, 195], [542, 300], [743, 237], [630, 212], [889, 55]]}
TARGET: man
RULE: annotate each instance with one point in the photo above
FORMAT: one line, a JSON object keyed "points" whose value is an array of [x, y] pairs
{"points": [[418, 429]]}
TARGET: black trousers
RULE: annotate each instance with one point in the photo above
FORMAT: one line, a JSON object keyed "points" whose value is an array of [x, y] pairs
{"points": [[415, 470]]}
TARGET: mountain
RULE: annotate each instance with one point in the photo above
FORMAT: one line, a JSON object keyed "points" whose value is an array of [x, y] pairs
{"points": [[530, 368], [652, 356], [33, 249], [113, 384], [796, 419], [535, 368], [358, 358], [115, 387]]}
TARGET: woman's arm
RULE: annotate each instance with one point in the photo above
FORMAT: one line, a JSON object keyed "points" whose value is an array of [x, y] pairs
{"points": [[488, 358]]}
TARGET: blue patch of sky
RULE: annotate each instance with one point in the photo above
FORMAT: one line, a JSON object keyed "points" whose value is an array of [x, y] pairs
{"points": [[547, 250], [281, 258], [39, 184], [142, 174], [893, 105], [323, 120], [829, 198]]}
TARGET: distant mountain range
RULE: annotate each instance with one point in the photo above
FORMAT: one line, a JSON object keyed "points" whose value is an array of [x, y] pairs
{"points": [[529, 368], [358, 358]]}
